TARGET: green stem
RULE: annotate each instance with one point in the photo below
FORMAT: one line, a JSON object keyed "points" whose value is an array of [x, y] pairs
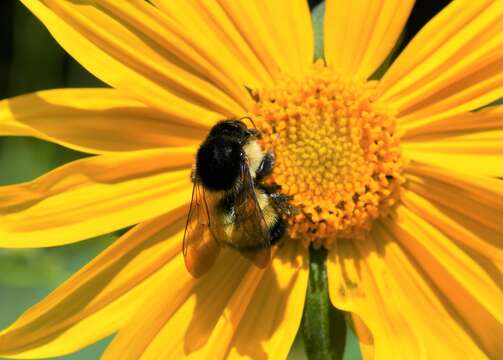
{"points": [[323, 326]]}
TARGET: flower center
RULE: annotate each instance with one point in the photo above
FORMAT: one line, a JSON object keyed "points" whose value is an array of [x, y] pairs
{"points": [[337, 153]]}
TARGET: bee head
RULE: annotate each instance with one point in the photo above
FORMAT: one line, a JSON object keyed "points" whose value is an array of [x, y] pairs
{"points": [[218, 163], [235, 129]]}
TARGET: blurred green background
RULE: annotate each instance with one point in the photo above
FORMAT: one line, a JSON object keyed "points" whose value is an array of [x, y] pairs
{"points": [[31, 60]]}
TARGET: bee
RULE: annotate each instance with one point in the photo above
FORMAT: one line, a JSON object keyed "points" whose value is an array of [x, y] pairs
{"points": [[230, 206]]}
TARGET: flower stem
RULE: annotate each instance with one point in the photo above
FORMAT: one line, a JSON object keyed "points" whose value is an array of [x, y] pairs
{"points": [[323, 326]]}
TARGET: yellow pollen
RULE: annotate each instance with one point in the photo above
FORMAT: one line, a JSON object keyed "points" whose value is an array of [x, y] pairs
{"points": [[337, 153]]}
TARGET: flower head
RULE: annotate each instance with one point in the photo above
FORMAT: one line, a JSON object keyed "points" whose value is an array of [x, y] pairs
{"points": [[394, 177], [338, 153]]}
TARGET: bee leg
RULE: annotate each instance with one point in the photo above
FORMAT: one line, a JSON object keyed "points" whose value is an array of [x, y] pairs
{"points": [[266, 166], [277, 231], [282, 203], [270, 189]]}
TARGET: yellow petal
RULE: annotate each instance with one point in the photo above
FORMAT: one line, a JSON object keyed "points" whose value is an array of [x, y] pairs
{"points": [[453, 65], [181, 52], [264, 37], [490, 118], [461, 212], [131, 48], [473, 296], [180, 321], [275, 311], [479, 153], [208, 29], [485, 190], [487, 244], [229, 311], [94, 196], [381, 282], [93, 121], [358, 35], [102, 297]]}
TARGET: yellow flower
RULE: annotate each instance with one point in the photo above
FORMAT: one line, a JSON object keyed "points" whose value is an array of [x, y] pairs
{"points": [[394, 177]]}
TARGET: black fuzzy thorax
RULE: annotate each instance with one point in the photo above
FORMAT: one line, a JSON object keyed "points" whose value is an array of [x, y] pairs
{"points": [[219, 158]]}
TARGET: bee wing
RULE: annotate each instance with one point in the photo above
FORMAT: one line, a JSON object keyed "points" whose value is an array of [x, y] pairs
{"points": [[200, 248], [250, 228]]}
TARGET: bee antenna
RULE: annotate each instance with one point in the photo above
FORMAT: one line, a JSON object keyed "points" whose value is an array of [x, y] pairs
{"points": [[249, 118]]}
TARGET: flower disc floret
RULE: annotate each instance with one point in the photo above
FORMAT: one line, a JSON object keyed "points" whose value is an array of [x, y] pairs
{"points": [[337, 153]]}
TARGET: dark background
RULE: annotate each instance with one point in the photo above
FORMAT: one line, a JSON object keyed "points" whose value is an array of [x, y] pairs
{"points": [[31, 60]]}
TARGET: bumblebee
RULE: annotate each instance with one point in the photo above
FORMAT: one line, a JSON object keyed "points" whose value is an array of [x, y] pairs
{"points": [[230, 206]]}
